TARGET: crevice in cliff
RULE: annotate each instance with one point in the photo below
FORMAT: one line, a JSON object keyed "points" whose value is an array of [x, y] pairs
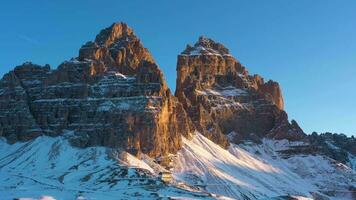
{"points": [[29, 104]]}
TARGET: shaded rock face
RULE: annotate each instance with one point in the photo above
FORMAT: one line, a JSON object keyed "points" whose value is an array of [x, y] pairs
{"points": [[337, 146], [222, 98], [113, 94]]}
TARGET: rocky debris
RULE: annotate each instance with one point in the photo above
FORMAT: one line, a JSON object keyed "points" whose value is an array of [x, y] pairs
{"points": [[113, 94], [221, 97]]}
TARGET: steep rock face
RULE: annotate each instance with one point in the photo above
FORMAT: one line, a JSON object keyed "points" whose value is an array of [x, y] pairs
{"points": [[336, 146], [115, 48], [113, 94], [222, 98]]}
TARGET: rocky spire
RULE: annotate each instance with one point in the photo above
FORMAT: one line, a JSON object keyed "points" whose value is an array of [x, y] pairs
{"points": [[117, 31], [206, 46], [118, 49], [222, 98], [113, 94]]}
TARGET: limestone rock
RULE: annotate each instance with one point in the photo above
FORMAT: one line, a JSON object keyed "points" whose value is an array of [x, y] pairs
{"points": [[113, 94], [222, 98]]}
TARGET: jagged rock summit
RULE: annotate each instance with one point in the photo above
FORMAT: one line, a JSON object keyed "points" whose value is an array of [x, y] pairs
{"points": [[206, 46], [113, 94], [116, 48], [223, 100]]}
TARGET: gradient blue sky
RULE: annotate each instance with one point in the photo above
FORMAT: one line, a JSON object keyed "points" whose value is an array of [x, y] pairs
{"points": [[308, 46]]}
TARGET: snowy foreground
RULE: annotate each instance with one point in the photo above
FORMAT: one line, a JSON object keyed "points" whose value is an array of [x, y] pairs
{"points": [[49, 168], [258, 171]]}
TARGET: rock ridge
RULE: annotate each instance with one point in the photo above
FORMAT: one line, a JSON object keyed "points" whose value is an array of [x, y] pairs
{"points": [[223, 100], [113, 94]]}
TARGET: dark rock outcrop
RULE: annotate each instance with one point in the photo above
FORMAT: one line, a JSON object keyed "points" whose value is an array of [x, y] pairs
{"points": [[222, 98], [112, 94], [336, 146]]}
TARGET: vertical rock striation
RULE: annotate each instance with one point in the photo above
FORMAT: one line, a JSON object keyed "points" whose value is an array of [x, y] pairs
{"points": [[112, 94], [223, 99]]}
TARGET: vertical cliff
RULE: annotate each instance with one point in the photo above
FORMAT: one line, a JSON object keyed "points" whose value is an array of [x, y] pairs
{"points": [[112, 94], [223, 99]]}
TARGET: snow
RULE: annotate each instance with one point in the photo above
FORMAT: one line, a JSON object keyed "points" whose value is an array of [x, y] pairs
{"points": [[222, 98], [48, 167], [47, 198], [225, 92], [257, 171], [120, 75], [117, 75], [52, 168], [332, 146], [109, 105], [74, 61], [233, 173], [201, 50], [135, 162], [325, 174], [301, 198], [31, 82]]}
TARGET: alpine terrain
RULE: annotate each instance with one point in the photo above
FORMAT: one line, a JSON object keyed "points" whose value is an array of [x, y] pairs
{"points": [[105, 125]]}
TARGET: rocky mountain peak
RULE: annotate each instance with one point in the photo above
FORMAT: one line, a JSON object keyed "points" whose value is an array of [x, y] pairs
{"points": [[114, 86], [206, 46], [116, 48], [115, 32], [113, 94], [222, 98]]}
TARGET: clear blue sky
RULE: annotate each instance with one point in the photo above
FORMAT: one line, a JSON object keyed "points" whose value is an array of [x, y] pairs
{"points": [[308, 46]]}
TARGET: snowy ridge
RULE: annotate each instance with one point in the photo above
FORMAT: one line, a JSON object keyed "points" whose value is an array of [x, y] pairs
{"points": [[51, 167], [257, 171], [234, 173]]}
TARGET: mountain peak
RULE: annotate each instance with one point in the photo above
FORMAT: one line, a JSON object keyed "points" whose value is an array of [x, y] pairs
{"points": [[116, 31], [113, 87], [206, 46], [118, 48]]}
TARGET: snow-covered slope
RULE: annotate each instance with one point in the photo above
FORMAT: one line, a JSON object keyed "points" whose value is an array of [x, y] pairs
{"points": [[253, 171], [52, 167]]}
